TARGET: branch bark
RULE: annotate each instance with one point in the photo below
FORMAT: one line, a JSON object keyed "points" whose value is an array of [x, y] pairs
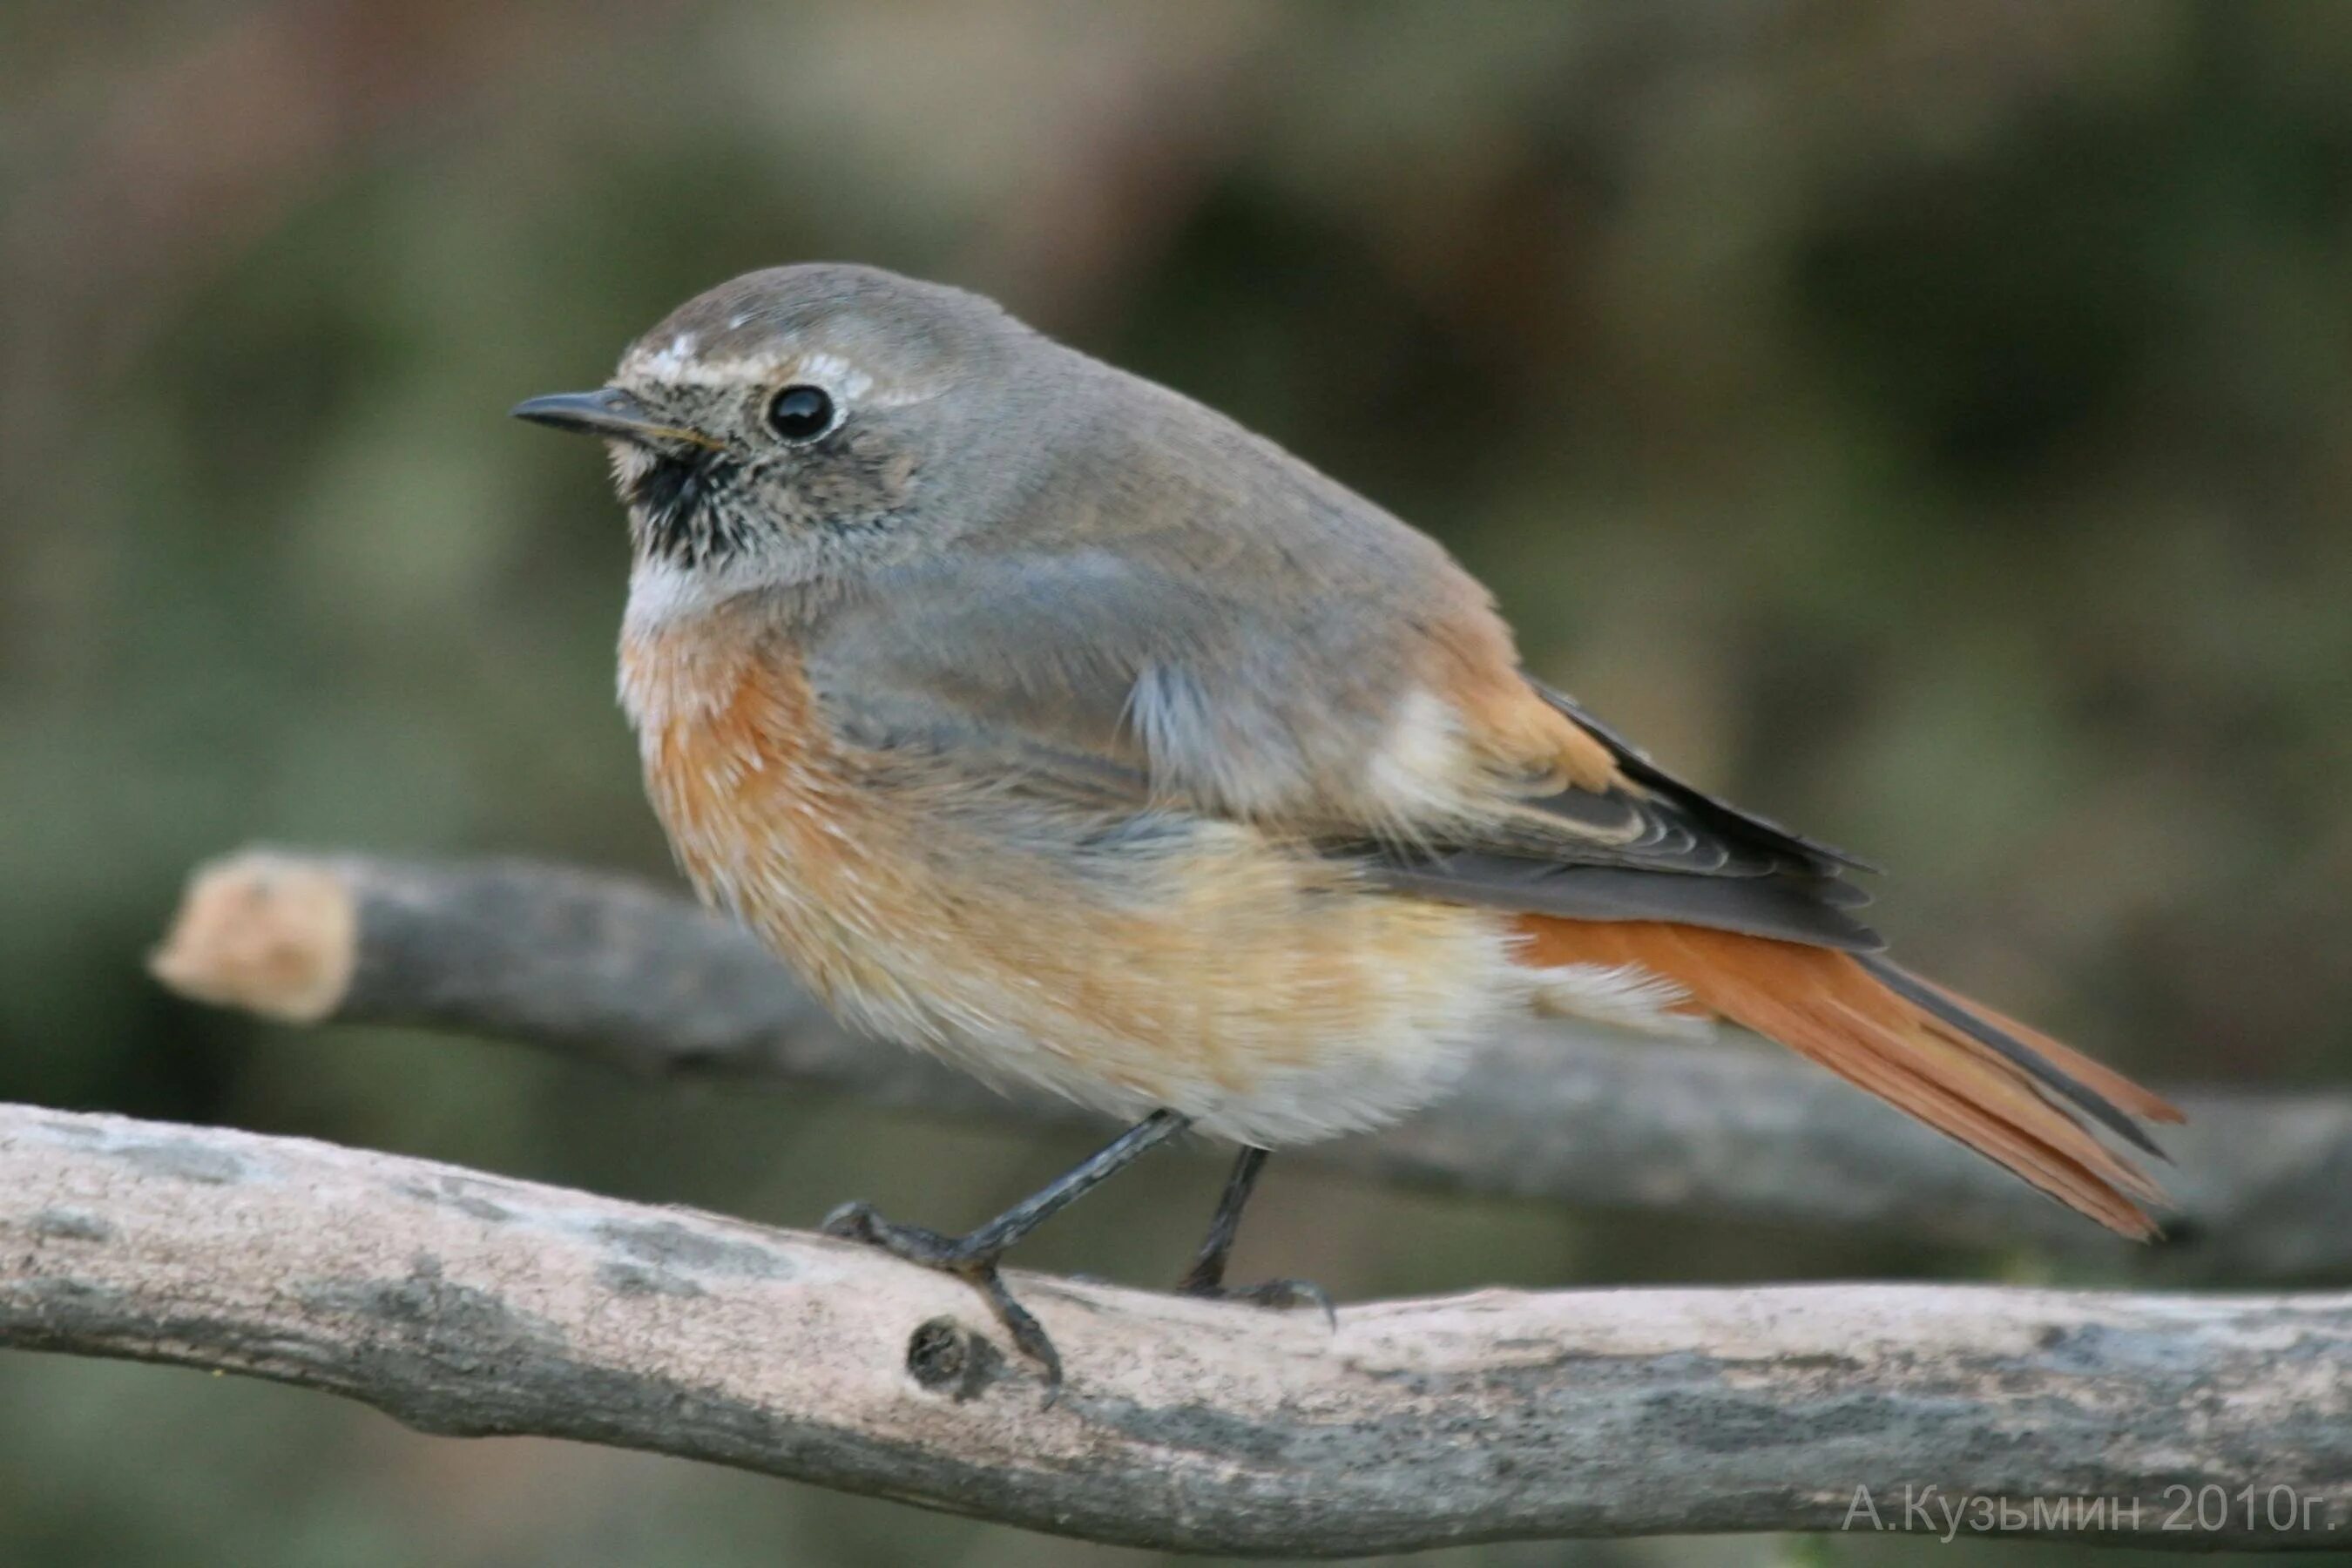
{"points": [[607, 969], [469, 1305]]}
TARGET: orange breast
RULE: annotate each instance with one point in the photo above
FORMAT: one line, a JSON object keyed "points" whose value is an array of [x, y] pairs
{"points": [[757, 801]]}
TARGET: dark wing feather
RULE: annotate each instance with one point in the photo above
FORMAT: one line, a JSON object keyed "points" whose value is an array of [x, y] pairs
{"points": [[1636, 765], [1664, 851], [1787, 909]]}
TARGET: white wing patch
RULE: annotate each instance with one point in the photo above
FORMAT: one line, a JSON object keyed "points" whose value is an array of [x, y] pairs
{"points": [[1420, 775]]}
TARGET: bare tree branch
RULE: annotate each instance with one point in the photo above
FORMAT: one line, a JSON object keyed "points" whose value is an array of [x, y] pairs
{"points": [[605, 968], [466, 1304]]}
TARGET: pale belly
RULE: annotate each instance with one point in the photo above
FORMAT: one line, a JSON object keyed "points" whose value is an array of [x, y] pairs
{"points": [[1215, 976]]}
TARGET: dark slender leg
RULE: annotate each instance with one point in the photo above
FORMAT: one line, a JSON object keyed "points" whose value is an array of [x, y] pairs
{"points": [[1207, 1274], [974, 1257]]}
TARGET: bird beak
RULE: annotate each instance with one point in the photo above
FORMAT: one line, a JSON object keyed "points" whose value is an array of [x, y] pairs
{"points": [[611, 413]]}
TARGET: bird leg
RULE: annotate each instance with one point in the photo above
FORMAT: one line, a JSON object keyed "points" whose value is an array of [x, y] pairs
{"points": [[1207, 1274], [973, 1257]]}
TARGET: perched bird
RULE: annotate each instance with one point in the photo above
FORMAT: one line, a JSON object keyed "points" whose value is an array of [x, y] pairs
{"points": [[1043, 717]]}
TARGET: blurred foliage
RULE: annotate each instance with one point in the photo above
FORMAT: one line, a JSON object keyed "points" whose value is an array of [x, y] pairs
{"points": [[1932, 423]]}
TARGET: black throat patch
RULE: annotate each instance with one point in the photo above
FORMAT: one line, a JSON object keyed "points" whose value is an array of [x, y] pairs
{"points": [[684, 508]]}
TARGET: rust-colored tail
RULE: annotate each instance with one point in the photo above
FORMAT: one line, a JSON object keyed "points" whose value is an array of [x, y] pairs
{"points": [[2010, 1093]]}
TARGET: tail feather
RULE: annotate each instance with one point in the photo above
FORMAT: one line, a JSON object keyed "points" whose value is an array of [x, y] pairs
{"points": [[2012, 1094], [2102, 1080], [1949, 1012]]}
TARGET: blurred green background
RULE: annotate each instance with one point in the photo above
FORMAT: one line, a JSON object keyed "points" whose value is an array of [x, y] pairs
{"points": [[1930, 423]]}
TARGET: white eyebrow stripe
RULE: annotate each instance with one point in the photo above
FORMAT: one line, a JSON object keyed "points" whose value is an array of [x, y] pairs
{"points": [[671, 361], [836, 376], [675, 364]]}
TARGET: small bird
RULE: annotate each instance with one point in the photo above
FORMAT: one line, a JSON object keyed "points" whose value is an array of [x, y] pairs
{"points": [[1043, 718]]}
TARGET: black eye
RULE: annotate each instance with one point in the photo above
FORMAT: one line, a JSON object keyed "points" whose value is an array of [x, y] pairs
{"points": [[801, 412]]}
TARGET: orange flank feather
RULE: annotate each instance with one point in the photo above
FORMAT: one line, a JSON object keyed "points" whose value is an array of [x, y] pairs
{"points": [[1827, 1005], [1510, 720], [1473, 666]]}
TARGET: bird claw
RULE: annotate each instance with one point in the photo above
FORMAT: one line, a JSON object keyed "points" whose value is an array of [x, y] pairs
{"points": [[1026, 1333], [859, 1222], [1279, 1294]]}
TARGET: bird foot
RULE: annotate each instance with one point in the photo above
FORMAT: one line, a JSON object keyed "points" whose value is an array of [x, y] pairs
{"points": [[1280, 1295], [975, 1264]]}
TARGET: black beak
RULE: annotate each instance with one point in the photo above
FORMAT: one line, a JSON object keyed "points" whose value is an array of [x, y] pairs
{"points": [[610, 413]]}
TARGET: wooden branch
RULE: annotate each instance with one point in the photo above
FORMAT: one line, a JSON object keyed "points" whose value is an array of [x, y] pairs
{"points": [[466, 1304], [608, 969]]}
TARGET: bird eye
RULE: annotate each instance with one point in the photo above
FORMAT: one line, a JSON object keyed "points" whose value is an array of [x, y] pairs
{"points": [[801, 412]]}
